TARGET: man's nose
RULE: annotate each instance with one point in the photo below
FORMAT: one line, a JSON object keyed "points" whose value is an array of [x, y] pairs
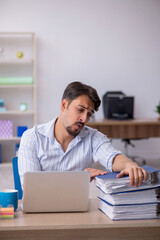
{"points": [[83, 118]]}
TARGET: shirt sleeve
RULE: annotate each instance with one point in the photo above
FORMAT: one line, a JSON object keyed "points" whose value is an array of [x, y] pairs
{"points": [[103, 150], [27, 154]]}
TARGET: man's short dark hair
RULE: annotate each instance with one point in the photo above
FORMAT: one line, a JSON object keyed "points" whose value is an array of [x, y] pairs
{"points": [[77, 89]]}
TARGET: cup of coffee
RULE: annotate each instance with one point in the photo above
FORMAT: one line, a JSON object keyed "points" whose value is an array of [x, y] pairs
{"points": [[9, 197]]}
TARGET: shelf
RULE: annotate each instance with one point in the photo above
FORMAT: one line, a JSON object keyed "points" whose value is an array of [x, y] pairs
{"points": [[16, 61], [17, 113], [10, 139], [21, 34], [17, 85]]}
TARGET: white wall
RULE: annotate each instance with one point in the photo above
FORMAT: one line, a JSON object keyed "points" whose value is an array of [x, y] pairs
{"points": [[109, 44]]}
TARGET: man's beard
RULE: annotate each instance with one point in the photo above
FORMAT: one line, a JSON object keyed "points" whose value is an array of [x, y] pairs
{"points": [[75, 132]]}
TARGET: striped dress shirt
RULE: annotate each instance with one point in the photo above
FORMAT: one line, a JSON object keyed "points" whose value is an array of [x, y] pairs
{"points": [[40, 151]]}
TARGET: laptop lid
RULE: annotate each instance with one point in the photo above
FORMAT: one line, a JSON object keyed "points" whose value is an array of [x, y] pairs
{"points": [[56, 191]]}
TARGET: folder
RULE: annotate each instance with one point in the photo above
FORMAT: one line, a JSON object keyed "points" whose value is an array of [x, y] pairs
{"points": [[138, 196], [130, 211], [109, 183], [120, 201]]}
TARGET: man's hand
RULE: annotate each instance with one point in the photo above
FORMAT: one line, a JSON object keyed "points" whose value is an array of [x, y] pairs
{"points": [[126, 166], [94, 172], [136, 175]]}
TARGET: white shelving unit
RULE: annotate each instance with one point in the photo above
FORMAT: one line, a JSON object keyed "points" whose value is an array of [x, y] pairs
{"points": [[14, 88]]}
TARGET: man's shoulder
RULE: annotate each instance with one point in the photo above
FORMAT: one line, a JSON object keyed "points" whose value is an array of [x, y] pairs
{"points": [[40, 129], [93, 133], [29, 132], [45, 129], [88, 132]]}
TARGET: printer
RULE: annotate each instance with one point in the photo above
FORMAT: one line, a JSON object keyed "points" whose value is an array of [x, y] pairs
{"points": [[116, 105]]}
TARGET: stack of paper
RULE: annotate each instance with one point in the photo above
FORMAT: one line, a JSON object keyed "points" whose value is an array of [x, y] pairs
{"points": [[120, 201], [6, 212]]}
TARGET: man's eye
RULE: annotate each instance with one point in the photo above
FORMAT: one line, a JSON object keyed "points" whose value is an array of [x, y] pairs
{"points": [[80, 110], [89, 114]]}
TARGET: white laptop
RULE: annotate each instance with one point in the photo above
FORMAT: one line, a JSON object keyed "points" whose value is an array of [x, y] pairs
{"points": [[56, 191]]}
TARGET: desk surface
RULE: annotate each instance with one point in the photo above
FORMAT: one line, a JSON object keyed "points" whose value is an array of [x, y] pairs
{"points": [[87, 225], [129, 129]]}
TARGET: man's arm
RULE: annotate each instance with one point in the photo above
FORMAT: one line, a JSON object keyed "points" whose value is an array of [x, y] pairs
{"points": [[113, 160], [27, 155], [126, 166]]}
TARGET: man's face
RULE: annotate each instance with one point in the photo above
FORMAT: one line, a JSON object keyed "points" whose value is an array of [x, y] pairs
{"points": [[76, 114]]}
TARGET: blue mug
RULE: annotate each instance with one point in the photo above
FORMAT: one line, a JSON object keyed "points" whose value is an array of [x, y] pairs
{"points": [[9, 197]]}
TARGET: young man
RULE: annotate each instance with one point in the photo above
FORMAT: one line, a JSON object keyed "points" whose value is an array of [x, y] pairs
{"points": [[67, 144]]}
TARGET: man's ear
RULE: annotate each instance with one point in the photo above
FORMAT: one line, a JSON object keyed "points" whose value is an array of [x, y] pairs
{"points": [[64, 104]]}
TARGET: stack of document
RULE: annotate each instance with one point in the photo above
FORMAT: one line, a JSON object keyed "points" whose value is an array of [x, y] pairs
{"points": [[120, 201]]}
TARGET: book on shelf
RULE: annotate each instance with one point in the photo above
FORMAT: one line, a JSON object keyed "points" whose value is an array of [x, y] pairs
{"points": [[120, 201], [16, 80]]}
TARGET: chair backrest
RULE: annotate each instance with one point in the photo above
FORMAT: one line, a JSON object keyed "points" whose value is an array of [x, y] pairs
{"points": [[17, 182]]}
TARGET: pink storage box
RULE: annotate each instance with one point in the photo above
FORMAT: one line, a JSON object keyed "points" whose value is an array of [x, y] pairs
{"points": [[6, 128]]}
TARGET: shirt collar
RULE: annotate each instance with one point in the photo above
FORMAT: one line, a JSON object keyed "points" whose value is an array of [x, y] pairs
{"points": [[84, 132], [47, 130]]}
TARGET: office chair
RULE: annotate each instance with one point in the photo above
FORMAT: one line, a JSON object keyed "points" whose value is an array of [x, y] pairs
{"points": [[17, 182], [134, 158]]}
